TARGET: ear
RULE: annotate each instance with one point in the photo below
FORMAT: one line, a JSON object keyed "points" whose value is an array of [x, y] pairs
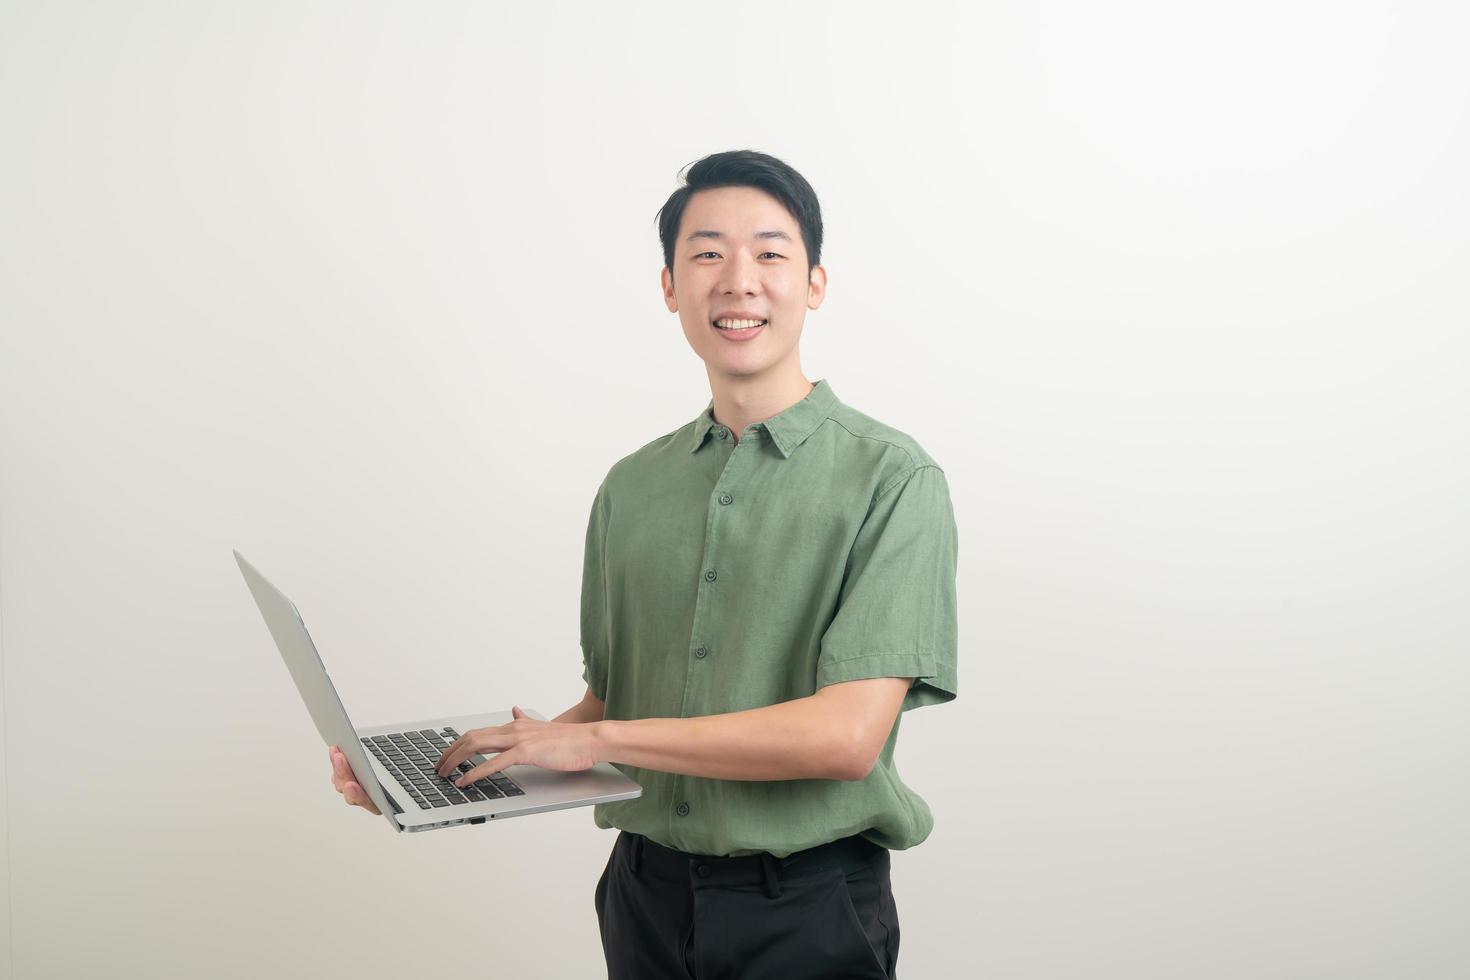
{"points": [[666, 280], [816, 289]]}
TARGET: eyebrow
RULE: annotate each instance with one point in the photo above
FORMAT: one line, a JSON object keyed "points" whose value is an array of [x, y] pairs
{"points": [[706, 233]]}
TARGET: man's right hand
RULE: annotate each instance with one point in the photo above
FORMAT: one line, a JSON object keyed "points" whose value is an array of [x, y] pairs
{"points": [[346, 783]]}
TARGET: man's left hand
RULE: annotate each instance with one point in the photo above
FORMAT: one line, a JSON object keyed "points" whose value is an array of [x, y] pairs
{"points": [[524, 741]]}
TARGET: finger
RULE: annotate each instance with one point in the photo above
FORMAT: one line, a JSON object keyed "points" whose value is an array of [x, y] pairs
{"points": [[477, 742], [459, 750], [516, 712], [358, 797], [487, 768], [442, 765]]}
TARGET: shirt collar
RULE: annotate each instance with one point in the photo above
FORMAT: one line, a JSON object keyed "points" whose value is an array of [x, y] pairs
{"points": [[788, 429]]}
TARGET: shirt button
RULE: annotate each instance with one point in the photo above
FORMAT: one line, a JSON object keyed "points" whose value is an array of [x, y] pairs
{"points": [[725, 498], [721, 432], [701, 653], [709, 575], [682, 809], [703, 871]]}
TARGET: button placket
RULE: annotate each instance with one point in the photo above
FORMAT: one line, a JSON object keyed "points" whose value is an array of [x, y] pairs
{"points": [[697, 683]]}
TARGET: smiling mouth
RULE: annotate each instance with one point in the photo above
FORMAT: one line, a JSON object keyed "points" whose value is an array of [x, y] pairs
{"points": [[735, 326]]}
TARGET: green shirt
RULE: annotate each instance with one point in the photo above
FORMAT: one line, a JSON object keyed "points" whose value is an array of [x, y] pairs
{"points": [[720, 577]]}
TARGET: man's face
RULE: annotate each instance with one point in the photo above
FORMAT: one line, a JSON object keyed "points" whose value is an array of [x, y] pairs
{"points": [[740, 252]]}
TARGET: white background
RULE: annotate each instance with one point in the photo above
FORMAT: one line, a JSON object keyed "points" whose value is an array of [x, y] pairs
{"points": [[1175, 294]]}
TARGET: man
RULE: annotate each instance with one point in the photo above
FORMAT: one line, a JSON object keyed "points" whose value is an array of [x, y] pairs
{"points": [[764, 590]]}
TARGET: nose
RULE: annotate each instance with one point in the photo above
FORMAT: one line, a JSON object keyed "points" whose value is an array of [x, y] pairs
{"points": [[741, 274]]}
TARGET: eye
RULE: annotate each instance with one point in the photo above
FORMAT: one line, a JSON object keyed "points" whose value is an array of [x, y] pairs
{"points": [[776, 254], [703, 254]]}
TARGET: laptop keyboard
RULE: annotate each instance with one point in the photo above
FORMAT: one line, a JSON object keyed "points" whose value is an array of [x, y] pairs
{"points": [[412, 756]]}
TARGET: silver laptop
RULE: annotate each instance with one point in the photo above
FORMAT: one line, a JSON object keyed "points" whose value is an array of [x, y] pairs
{"points": [[395, 763]]}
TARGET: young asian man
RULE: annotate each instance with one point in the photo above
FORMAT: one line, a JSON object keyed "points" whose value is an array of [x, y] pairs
{"points": [[765, 589]]}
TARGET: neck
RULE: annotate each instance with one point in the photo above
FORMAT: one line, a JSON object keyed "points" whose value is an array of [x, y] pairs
{"points": [[740, 402]]}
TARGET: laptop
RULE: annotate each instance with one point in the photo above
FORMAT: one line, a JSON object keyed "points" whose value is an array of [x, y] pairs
{"points": [[395, 763]]}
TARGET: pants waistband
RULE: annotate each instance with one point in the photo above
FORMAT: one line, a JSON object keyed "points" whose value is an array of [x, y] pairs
{"points": [[847, 854]]}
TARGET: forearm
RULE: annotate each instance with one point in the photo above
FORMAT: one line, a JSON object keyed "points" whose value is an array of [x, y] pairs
{"points": [[800, 739]]}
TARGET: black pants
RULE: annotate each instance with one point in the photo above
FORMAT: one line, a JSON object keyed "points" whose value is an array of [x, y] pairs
{"points": [[826, 913]]}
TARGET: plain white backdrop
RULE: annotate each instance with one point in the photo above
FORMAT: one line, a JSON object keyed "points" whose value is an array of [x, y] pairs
{"points": [[1175, 294]]}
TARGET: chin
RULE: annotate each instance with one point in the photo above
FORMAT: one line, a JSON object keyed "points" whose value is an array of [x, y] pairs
{"points": [[747, 370]]}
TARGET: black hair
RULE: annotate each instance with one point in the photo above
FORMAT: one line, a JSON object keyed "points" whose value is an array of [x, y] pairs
{"points": [[745, 168]]}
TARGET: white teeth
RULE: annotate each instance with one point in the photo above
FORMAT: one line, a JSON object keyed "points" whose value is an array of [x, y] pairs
{"points": [[738, 324]]}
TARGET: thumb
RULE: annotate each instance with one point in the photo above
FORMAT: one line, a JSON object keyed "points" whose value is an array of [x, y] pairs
{"points": [[516, 712]]}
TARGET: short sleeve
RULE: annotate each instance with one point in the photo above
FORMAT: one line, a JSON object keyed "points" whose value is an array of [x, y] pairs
{"points": [[594, 598], [896, 611]]}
